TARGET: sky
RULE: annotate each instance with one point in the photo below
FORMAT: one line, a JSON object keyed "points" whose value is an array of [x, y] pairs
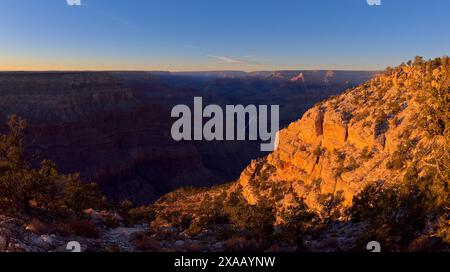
{"points": [[194, 35]]}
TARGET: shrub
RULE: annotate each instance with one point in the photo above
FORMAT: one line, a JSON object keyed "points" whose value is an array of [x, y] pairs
{"points": [[393, 214], [400, 157], [111, 222], [366, 154], [352, 165], [177, 219], [298, 220], [78, 196], [397, 161], [84, 229], [361, 116], [381, 124], [25, 190], [347, 116], [444, 227], [124, 207], [367, 123], [141, 214], [197, 227], [434, 116], [259, 218], [330, 206], [212, 211]]}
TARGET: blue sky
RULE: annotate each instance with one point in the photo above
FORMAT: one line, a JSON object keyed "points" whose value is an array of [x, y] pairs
{"points": [[220, 35]]}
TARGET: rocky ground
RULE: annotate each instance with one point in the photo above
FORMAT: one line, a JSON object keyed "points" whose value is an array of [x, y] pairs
{"points": [[18, 237]]}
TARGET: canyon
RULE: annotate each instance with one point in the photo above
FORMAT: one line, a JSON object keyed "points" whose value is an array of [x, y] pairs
{"points": [[114, 127], [368, 164]]}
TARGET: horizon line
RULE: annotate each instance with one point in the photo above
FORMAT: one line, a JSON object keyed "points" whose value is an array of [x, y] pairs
{"points": [[183, 71]]}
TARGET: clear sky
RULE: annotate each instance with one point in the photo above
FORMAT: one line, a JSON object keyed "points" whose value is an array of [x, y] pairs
{"points": [[220, 34]]}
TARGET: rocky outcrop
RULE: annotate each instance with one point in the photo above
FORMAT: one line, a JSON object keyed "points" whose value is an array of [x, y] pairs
{"points": [[346, 142]]}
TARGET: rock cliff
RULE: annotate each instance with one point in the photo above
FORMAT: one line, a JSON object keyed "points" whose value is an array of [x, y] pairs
{"points": [[351, 140]]}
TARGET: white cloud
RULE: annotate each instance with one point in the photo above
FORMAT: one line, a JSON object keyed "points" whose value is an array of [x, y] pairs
{"points": [[230, 60], [73, 2], [225, 59]]}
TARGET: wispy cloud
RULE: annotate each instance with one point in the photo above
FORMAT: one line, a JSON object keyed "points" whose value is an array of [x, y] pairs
{"points": [[231, 60], [246, 60], [226, 59], [73, 2]]}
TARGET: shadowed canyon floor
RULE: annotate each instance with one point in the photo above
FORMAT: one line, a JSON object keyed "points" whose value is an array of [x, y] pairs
{"points": [[114, 128]]}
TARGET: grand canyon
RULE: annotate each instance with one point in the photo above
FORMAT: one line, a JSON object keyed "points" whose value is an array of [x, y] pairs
{"points": [[114, 127], [251, 131], [366, 140]]}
